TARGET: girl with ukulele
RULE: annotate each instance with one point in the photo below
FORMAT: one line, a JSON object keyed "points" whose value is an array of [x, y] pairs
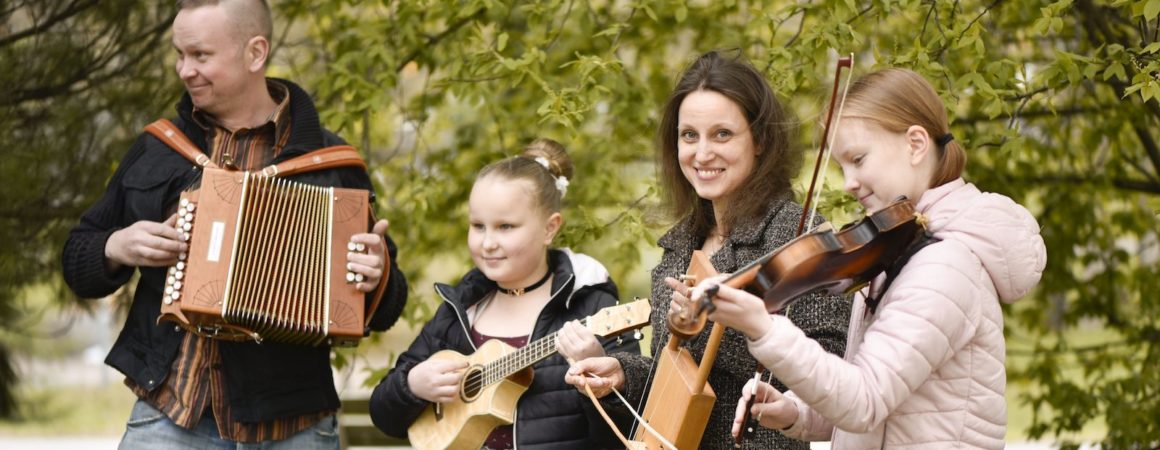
{"points": [[519, 291]]}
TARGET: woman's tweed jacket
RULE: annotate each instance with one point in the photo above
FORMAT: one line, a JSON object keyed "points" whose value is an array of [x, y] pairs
{"points": [[824, 318]]}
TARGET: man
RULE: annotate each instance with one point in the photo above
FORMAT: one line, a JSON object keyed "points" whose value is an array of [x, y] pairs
{"points": [[196, 392]]}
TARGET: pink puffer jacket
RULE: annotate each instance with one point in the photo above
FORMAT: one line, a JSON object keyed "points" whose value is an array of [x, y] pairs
{"points": [[926, 370]]}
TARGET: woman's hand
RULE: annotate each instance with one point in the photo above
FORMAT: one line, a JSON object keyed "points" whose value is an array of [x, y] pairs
{"points": [[680, 299], [736, 309], [370, 264], [770, 407], [576, 342], [602, 374], [436, 380]]}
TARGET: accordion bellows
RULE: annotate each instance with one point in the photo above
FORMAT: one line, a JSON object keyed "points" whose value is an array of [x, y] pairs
{"points": [[267, 261]]}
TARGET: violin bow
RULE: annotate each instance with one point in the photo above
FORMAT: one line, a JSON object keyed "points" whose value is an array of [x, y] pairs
{"points": [[749, 424]]}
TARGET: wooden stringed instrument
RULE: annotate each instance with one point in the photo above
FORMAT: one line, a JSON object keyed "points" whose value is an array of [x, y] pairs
{"points": [[496, 376], [680, 399]]}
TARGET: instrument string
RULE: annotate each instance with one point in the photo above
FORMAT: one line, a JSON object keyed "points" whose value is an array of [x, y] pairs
{"points": [[510, 363]]}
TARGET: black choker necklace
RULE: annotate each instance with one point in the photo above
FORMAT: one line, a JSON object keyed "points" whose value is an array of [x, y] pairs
{"points": [[521, 291]]}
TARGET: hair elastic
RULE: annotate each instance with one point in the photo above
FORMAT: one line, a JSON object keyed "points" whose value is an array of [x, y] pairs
{"points": [[945, 139]]}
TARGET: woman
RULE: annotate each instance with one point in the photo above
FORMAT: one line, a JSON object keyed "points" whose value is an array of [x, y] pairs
{"points": [[726, 159], [520, 291], [924, 363]]}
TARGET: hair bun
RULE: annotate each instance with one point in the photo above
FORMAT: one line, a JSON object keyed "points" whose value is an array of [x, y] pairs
{"points": [[553, 155]]}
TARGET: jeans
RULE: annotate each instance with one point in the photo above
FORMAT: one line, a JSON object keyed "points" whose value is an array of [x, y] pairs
{"points": [[149, 429]]}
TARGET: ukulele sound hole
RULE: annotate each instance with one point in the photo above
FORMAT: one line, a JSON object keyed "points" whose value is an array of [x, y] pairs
{"points": [[472, 384]]}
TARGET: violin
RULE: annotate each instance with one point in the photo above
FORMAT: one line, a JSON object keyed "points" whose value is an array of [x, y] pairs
{"points": [[825, 260]]}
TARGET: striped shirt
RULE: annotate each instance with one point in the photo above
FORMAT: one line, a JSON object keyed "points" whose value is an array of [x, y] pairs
{"points": [[195, 379]]}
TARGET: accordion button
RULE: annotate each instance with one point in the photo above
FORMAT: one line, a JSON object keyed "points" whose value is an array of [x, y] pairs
{"points": [[170, 280], [185, 237], [178, 275], [180, 222], [187, 226], [349, 277], [169, 289], [177, 285], [180, 265], [175, 295], [184, 202], [189, 217], [350, 246], [167, 300], [190, 206], [182, 256], [361, 247], [358, 277]]}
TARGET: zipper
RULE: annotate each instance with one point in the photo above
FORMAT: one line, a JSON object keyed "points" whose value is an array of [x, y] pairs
{"points": [[459, 315]]}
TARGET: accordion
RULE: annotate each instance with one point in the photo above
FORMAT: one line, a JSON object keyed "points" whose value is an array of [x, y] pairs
{"points": [[267, 261]]}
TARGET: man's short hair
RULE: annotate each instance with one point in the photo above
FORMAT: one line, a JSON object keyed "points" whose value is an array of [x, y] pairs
{"points": [[251, 17]]}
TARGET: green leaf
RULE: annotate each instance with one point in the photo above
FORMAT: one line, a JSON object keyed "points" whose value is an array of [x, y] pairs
{"points": [[1115, 69], [501, 42], [1151, 10]]}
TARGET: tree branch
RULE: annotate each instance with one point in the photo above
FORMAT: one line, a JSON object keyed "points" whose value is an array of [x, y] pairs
{"points": [[70, 11], [1084, 180], [1074, 111], [433, 40]]}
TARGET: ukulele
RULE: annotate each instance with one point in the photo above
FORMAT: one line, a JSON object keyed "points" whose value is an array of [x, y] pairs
{"points": [[496, 376]]}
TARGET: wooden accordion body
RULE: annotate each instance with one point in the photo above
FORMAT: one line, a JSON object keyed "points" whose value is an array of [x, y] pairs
{"points": [[267, 261]]}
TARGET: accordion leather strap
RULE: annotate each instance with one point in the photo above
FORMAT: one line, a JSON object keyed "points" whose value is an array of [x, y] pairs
{"points": [[323, 158], [168, 133]]}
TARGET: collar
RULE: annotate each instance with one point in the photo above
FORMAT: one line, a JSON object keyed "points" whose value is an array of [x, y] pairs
{"points": [[305, 127], [748, 232]]}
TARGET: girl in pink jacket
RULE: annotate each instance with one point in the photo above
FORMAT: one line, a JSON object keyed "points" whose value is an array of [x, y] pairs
{"points": [[924, 362]]}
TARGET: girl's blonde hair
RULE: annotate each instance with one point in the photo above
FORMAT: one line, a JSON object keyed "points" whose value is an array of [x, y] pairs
{"points": [[895, 99], [549, 183]]}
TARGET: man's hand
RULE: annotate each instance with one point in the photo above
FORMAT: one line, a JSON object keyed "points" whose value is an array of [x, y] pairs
{"points": [[145, 244], [369, 265]]}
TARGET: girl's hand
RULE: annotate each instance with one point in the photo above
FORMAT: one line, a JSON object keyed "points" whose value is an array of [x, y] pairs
{"points": [[770, 407], [576, 342], [436, 380], [602, 374], [736, 309]]}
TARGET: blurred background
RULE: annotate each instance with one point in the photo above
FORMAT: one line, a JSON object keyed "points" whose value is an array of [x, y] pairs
{"points": [[1056, 102]]}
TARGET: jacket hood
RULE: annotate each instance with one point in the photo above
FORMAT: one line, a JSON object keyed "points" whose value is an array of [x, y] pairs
{"points": [[1001, 233]]}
